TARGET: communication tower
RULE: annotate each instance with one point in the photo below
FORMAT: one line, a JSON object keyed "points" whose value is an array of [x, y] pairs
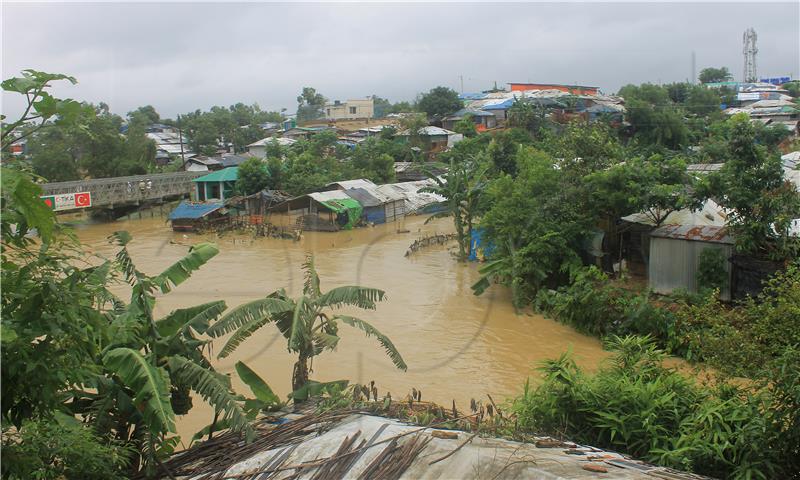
{"points": [[750, 50]]}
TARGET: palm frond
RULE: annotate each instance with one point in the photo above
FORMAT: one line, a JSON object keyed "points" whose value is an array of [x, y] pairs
{"points": [[213, 387], [369, 330], [247, 312], [181, 270], [242, 334], [324, 341], [150, 385], [126, 328], [356, 296], [311, 279], [197, 317], [299, 328], [257, 385], [436, 215]]}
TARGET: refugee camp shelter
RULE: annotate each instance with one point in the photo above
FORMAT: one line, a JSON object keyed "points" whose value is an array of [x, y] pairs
{"points": [[196, 216], [416, 201], [322, 211], [218, 185], [675, 256], [482, 120], [381, 205]]}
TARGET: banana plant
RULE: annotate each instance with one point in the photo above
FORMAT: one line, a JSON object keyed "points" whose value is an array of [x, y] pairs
{"points": [[149, 366], [305, 322]]}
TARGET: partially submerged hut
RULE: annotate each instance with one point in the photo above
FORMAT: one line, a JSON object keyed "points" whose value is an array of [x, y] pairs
{"points": [[322, 211], [196, 216], [381, 205], [675, 252]]}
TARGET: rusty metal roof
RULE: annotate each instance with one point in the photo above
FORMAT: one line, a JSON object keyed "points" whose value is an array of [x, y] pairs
{"points": [[696, 233]]}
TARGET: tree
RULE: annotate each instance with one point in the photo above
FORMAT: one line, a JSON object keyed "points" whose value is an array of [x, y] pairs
{"points": [[714, 75], [42, 109], [148, 366], [439, 102], [462, 187], [304, 322], [751, 186], [381, 106], [310, 105], [253, 176], [535, 225], [146, 115], [466, 126], [527, 115]]}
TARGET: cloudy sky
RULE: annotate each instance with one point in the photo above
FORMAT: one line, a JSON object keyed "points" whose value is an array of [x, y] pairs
{"points": [[180, 57]]}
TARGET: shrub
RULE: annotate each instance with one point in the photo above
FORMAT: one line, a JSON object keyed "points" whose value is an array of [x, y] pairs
{"points": [[66, 449], [637, 406]]}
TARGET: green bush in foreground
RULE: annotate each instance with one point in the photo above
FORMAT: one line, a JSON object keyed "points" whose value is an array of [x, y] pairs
{"points": [[637, 406], [61, 449]]}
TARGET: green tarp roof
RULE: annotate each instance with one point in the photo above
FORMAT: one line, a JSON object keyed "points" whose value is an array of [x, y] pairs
{"points": [[229, 174]]}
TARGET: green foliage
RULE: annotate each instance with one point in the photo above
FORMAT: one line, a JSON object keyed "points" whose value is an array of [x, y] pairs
{"points": [[535, 225], [61, 449], [637, 406], [592, 304], [466, 126], [439, 102], [310, 105], [711, 272], [92, 146], [253, 176], [714, 75], [750, 337], [304, 322], [655, 119], [258, 386], [150, 384], [751, 186], [527, 116], [463, 188], [41, 107]]}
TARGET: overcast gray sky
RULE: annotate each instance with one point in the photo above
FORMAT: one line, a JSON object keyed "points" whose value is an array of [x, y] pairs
{"points": [[180, 57]]}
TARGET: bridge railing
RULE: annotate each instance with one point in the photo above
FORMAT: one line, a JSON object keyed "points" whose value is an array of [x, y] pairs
{"points": [[130, 189]]}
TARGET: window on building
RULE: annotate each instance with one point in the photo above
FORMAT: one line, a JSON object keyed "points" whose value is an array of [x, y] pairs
{"points": [[352, 110]]}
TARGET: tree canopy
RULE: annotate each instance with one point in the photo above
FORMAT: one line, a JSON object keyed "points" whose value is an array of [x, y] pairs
{"points": [[439, 102], [713, 75]]}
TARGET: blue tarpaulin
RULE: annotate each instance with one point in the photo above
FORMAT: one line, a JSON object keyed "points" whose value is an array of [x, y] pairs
{"points": [[480, 248], [193, 210]]}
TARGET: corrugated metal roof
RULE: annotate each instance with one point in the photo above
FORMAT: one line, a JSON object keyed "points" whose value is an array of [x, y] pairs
{"points": [[357, 183], [696, 233], [374, 196], [229, 174], [429, 131], [331, 195], [193, 210], [283, 141], [704, 167], [710, 214]]}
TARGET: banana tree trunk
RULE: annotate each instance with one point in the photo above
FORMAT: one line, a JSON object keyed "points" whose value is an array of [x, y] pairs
{"points": [[300, 374]]}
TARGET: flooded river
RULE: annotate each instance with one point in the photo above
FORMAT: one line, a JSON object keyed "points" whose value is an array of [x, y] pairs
{"points": [[457, 346]]}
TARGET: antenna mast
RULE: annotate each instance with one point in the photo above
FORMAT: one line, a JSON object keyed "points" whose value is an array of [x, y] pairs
{"points": [[750, 50]]}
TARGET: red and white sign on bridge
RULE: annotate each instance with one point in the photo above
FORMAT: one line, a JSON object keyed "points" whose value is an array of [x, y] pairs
{"points": [[68, 201]]}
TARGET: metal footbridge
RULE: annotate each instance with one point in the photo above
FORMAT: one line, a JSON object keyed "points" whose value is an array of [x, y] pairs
{"points": [[133, 190]]}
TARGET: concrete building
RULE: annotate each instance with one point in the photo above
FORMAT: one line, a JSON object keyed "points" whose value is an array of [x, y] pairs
{"points": [[350, 110]]}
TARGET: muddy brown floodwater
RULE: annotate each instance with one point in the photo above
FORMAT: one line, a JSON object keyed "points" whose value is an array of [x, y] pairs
{"points": [[457, 346]]}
